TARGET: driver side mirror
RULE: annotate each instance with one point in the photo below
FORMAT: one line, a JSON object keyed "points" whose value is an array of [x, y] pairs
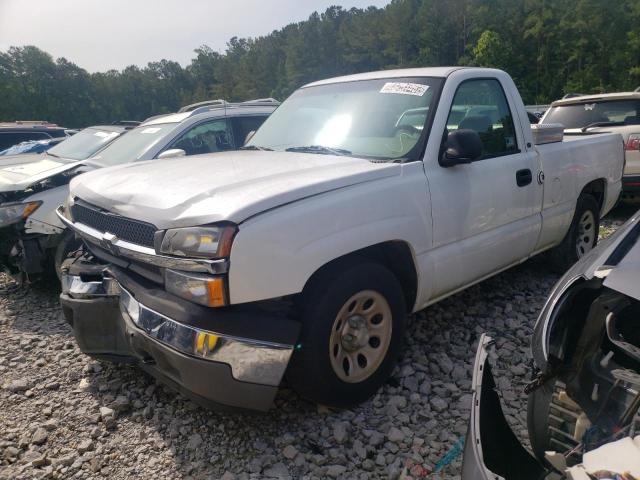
{"points": [[462, 146], [172, 153]]}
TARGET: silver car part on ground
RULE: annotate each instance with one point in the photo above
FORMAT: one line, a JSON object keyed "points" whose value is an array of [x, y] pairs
{"points": [[622, 277], [492, 451]]}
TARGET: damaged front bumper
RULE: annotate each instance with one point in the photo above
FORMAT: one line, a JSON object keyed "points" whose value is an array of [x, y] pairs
{"points": [[219, 357]]}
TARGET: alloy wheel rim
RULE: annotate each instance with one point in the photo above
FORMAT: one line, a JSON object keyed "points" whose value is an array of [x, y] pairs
{"points": [[360, 336], [586, 233]]}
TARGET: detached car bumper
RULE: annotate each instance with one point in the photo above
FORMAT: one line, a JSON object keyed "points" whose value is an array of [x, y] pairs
{"points": [[491, 449], [116, 318]]}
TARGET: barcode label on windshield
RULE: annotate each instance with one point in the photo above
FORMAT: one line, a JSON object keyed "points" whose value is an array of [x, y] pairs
{"points": [[416, 89]]}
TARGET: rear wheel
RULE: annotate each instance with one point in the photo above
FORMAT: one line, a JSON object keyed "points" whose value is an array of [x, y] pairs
{"points": [[353, 327], [582, 236]]}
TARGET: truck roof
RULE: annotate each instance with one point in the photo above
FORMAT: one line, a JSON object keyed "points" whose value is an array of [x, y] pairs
{"points": [[598, 97], [438, 72]]}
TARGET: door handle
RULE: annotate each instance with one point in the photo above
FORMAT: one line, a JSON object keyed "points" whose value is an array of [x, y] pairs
{"points": [[524, 177]]}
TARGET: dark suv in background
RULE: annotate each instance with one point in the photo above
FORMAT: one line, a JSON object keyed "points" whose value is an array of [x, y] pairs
{"points": [[12, 133]]}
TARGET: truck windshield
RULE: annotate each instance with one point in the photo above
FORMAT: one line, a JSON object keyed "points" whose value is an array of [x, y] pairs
{"points": [[580, 115], [379, 119], [83, 144], [133, 144]]}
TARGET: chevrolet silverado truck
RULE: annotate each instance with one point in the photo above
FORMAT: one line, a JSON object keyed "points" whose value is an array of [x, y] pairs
{"points": [[584, 403], [360, 200]]}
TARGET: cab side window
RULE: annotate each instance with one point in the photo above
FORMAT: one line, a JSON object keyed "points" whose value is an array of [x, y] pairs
{"points": [[244, 125], [214, 136], [481, 105]]}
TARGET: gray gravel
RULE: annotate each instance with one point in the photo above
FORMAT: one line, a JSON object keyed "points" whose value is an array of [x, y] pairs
{"points": [[63, 415]]}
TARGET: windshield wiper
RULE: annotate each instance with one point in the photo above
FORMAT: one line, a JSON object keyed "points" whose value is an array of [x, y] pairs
{"points": [[256, 147], [319, 149], [601, 124], [52, 154]]}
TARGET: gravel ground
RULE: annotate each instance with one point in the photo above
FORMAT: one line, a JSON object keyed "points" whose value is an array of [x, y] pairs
{"points": [[63, 415]]}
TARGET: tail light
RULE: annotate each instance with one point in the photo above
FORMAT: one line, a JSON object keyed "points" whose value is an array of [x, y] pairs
{"points": [[633, 142]]}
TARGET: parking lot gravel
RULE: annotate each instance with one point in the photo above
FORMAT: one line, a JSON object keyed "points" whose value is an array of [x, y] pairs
{"points": [[63, 415]]}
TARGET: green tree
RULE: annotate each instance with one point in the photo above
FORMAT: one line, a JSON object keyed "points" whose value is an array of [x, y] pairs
{"points": [[549, 47], [491, 51]]}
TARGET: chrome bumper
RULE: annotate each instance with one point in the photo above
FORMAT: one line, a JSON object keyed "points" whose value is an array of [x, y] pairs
{"points": [[250, 360]]}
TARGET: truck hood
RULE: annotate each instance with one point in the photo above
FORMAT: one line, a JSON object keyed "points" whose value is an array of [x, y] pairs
{"points": [[231, 186], [18, 172]]}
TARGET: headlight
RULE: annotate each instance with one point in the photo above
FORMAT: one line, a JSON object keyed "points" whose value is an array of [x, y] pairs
{"points": [[201, 242], [206, 290], [14, 212]]}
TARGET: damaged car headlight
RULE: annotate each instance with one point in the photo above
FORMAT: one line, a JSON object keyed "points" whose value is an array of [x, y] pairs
{"points": [[199, 242], [11, 213]]}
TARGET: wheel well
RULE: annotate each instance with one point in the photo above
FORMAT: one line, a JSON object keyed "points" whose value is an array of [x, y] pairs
{"points": [[596, 188], [394, 255]]}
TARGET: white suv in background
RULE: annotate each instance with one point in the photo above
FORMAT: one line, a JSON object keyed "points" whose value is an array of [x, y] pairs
{"points": [[610, 112], [31, 235]]}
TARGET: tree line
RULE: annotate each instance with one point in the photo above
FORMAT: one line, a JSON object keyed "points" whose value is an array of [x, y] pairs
{"points": [[550, 47]]}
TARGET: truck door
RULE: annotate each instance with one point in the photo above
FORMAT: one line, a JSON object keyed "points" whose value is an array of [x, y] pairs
{"points": [[486, 214]]}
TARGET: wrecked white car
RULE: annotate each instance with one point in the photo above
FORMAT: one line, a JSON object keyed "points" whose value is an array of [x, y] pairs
{"points": [[583, 406], [31, 187], [37, 241]]}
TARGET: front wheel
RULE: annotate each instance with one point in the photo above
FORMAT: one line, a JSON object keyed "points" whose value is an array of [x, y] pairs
{"points": [[582, 236], [68, 243], [352, 332]]}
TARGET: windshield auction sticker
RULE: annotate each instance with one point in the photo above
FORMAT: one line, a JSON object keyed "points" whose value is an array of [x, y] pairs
{"points": [[416, 89]]}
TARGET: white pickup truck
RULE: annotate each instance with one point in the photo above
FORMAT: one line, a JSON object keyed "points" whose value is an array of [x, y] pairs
{"points": [[360, 200]]}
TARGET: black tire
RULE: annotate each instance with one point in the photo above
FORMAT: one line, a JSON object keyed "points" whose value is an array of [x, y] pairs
{"points": [[310, 372], [566, 254], [68, 243], [538, 406]]}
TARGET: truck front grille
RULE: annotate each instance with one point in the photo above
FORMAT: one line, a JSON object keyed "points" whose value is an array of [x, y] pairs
{"points": [[133, 231]]}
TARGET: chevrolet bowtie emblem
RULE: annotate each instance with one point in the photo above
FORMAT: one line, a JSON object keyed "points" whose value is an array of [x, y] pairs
{"points": [[108, 243]]}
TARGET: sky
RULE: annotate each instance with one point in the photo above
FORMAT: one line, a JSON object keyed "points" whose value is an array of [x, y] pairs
{"points": [[101, 35]]}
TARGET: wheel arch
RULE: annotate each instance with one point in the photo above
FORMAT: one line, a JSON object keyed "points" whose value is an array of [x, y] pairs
{"points": [[598, 189], [395, 255]]}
